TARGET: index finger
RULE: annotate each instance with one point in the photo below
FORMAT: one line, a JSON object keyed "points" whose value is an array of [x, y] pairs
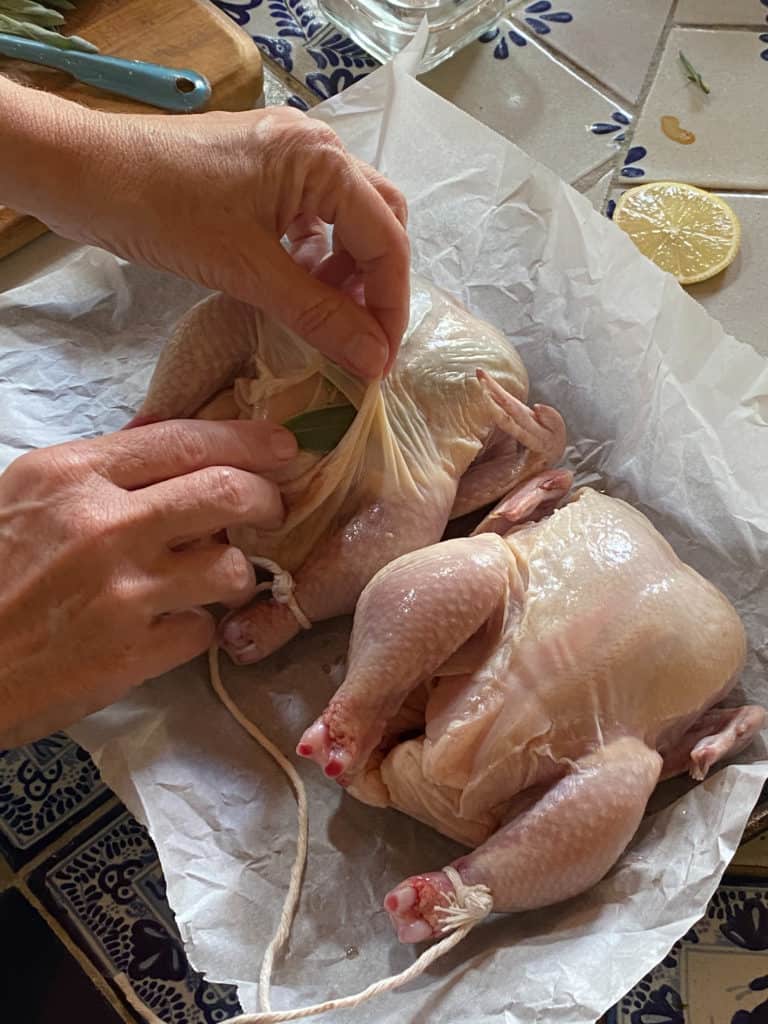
{"points": [[160, 451], [367, 228]]}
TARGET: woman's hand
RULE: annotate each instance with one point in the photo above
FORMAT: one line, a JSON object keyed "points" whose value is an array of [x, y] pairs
{"points": [[210, 196], [109, 555]]}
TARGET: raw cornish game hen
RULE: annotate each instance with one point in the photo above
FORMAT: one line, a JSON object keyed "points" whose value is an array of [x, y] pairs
{"points": [[446, 433], [523, 690]]}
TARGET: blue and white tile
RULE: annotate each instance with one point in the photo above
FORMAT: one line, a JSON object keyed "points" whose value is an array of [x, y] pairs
{"points": [[293, 35], [717, 973], [613, 40], [728, 123], [108, 890], [45, 787], [722, 12], [510, 82]]}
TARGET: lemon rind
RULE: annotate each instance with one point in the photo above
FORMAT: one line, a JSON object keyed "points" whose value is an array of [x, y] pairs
{"points": [[716, 268]]}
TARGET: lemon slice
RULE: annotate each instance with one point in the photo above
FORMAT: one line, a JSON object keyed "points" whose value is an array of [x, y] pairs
{"points": [[684, 230]]}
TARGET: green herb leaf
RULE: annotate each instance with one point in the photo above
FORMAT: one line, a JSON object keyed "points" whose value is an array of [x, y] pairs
{"points": [[37, 21], [692, 74], [320, 430], [28, 11]]}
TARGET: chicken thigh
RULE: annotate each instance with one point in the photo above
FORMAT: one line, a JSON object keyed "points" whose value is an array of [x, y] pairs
{"points": [[445, 434], [523, 690]]}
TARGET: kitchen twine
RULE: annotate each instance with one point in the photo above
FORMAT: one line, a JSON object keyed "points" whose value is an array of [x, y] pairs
{"points": [[465, 907]]}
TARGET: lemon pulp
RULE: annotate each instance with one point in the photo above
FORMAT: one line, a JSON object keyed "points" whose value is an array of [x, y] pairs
{"points": [[686, 231]]}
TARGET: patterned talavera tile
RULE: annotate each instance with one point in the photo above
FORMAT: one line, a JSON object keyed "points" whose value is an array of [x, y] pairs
{"points": [[45, 787], [614, 40], [728, 149], [716, 974], [293, 35], [738, 298], [515, 86], [40, 983], [722, 12], [108, 890]]}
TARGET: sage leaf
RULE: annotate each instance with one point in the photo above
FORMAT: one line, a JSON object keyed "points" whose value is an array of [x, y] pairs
{"points": [[28, 11], [320, 430], [37, 21]]}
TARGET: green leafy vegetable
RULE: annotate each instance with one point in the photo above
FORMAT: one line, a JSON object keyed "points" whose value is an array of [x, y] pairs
{"points": [[692, 74], [30, 12], [320, 430], [38, 21]]}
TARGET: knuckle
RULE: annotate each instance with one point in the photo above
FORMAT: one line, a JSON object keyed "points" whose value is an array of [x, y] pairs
{"points": [[41, 467], [190, 444], [238, 570], [27, 470], [231, 489], [323, 135]]}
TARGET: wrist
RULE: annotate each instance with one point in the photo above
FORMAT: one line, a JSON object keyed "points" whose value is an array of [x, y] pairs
{"points": [[49, 148]]}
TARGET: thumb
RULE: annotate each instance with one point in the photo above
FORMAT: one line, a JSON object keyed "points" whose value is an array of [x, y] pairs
{"points": [[324, 316]]}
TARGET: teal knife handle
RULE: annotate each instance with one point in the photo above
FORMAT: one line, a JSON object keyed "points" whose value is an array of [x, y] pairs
{"points": [[174, 89]]}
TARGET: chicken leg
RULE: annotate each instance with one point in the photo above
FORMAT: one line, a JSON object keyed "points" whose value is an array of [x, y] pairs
{"points": [[547, 853], [412, 616], [329, 582]]}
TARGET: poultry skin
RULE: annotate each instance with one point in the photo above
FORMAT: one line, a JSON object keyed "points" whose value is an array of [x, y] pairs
{"points": [[445, 434], [523, 690]]}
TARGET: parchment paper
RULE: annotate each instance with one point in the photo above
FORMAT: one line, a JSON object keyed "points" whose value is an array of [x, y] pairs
{"points": [[663, 408]]}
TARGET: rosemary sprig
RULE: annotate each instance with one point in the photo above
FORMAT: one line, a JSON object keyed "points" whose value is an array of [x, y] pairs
{"points": [[692, 74]]}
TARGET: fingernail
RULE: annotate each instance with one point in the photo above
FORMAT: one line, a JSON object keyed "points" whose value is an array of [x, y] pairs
{"points": [[367, 355], [284, 444]]}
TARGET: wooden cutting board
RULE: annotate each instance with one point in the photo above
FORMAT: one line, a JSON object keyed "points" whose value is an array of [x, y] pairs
{"points": [[178, 33]]}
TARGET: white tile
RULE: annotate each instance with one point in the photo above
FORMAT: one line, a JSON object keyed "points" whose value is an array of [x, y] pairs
{"points": [[597, 193], [520, 90], [738, 298], [730, 149], [614, 40], [722, 12]]}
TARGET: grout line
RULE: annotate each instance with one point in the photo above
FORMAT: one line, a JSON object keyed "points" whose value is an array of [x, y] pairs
{"points": [[720, 27], [101, 811], [583, 74], [590, 178], [650, 78], [296, 85], [88, 968]]}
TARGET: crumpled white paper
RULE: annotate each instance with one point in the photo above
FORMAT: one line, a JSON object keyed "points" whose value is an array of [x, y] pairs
{"points": [[662, 407]]}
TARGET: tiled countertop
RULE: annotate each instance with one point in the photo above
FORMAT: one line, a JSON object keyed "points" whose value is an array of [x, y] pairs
{"points": [[582, 86]]}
